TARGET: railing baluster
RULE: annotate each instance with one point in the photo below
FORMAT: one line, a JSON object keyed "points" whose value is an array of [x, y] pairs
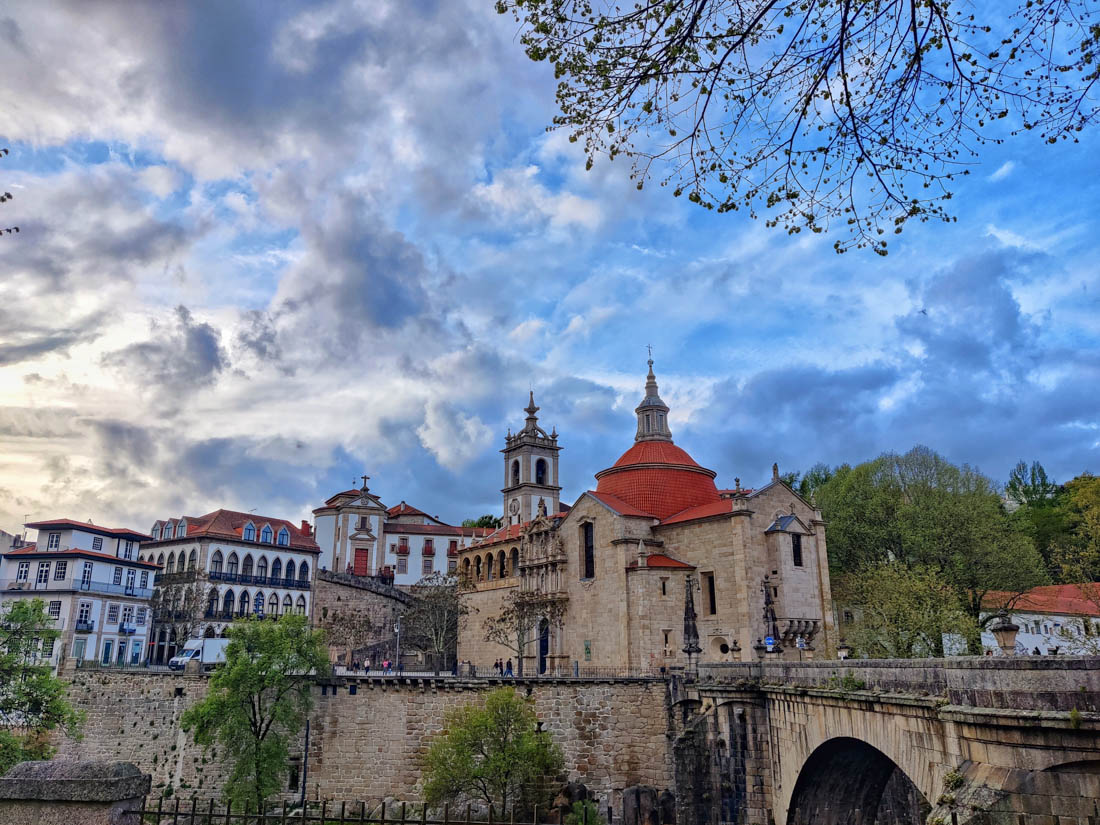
{"points": [[228, 808], [210, 813], [446, 813], [342, 804], [383, 820], [402, 812], [324, 805], [160, 805], [284, 813], [194, 805]]}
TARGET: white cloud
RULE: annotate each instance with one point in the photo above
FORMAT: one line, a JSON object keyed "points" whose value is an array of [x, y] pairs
{"points": [[1003, 171]]}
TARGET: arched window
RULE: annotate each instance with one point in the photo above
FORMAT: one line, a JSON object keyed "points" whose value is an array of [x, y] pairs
{"points": [[171, 563], [515, 561], [288, 603], [284, 538], [290, 571], [243, 604], [502, 569], [477, 567], [231, 565], [466, 568], [266, 534], [273, 605], [303, 573], [588, 551], [540, 471], [276, 571], [300, 608], [209, 632], [488, 566], [261, 568], [249, 532], [246, 568], [160, 561], [216, 562], [515, 473], [193, 560], [211, 602], [227, 602]]}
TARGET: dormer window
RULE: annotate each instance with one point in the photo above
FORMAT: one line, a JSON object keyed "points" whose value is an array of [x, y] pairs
{"points": [[54, 541], [266, 534], [181, 530], [284, 537], [249, 532]]}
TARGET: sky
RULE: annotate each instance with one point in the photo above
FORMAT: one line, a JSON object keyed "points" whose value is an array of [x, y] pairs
{"points": [[268, 247]]}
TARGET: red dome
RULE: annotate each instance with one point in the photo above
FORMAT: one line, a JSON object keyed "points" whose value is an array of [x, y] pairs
{"points": [[659, 478]]}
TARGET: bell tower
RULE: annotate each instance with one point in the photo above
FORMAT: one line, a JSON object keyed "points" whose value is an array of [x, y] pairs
{"points": [[530, 470]]}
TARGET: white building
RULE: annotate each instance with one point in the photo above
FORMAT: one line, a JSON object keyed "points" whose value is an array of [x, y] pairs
{"points": [[1053, 619], [247, 564], [358, 534], [94, 584]]}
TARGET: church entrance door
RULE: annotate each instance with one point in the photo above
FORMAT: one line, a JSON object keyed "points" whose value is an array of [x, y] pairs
{"points": [[544, 644]]}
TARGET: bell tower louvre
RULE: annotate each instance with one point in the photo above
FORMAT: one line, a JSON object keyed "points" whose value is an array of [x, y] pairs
{"points": [[530, 470]]}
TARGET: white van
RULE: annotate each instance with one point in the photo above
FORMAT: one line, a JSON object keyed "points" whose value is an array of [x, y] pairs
{"points": [[208, 652]]}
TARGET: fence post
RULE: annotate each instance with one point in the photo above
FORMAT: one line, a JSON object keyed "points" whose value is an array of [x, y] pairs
{"points": [[228, 808], [194, 807], [424, 813], [210, 813], [177, 811], [447, 814], [383, 820], [403, 812], [584, 812], [284, 813], [490, 813], [342, 806]]}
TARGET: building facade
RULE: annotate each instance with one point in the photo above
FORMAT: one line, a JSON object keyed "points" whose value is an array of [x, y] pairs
{"points": [[611, 581], [225, 565], [95, 585], [359, 535]]}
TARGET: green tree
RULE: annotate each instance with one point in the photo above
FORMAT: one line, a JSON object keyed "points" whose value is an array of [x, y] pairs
{"points": [[258, 701], [493, 753], [860, 507], [484, 521], [901, 611], [855, 112], [813, 479], [32, 700], [1040, 510]]}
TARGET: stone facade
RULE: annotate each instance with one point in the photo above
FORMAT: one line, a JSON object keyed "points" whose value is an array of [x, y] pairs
{"points": [[618, 565], [355, 612]]}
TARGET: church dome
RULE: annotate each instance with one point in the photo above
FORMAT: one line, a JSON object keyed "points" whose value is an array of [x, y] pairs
{"points": [[655, 475]]}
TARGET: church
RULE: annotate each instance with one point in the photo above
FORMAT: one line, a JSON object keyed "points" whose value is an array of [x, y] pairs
{"points": [[655, 570]]}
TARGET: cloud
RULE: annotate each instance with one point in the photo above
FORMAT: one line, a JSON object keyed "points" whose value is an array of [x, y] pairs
{"points": [[1003, 171]]}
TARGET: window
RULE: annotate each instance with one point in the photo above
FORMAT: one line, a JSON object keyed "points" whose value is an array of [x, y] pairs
{"points": [[250, 532], [131, 574], [54, 541], [588, 567], [261, 568], [303, 573], [402, 564], [60, 571], [181, 530], [231, 565], [452, 565], [664, 587], [796, 549], [118, 575], [288, 603], [246, 568], [452, 548], [112, 613], [540, 471], [171, 563], [43, 572], [108, 648], [266, 534], [192, 559], [284, 536], [300, 608], [290, 571], [276, 570], [647, 422], [84, 613], [216, 562], [55, 610], [128, 550], [128, 614], [227, 602], [144, 579], [23, 572], [243, 604], [708, 590], [667, 634], [273, 605], [849, 617], [515, 561], [140, 619], [515, 473], [86, 575], [428, 565], [429, 546], [97, 544]]}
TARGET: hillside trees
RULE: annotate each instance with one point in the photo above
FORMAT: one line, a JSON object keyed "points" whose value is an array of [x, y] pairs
{"points": [[859, 113]]}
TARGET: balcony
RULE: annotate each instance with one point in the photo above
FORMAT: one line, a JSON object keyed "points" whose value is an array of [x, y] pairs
{"points": [[68, 585], [84, 626], [127, 628], [261, 581]]}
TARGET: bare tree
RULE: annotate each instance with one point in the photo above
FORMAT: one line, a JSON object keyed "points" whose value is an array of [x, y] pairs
{"points": [[431, 623], [178, 605], [4, 197], [349, 628], [513, 627], [852, 112]]}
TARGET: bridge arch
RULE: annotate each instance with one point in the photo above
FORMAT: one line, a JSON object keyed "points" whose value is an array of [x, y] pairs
{"points": [[846, 781]]}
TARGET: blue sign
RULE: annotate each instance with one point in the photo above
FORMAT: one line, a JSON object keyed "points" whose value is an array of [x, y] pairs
{"points": [[770, 643], [801, 643]]}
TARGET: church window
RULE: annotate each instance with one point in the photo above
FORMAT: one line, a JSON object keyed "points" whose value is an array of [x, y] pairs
{"points": [[589, 550], [515, 473], [477, 567], [711, 597], [540, 471], [664, 587], [489, 566], [515, 560], [796, 549]]}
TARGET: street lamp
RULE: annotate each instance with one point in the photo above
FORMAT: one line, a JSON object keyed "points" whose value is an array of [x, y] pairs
{"points": [[843, 651], [1004, 631], [397, 630]]}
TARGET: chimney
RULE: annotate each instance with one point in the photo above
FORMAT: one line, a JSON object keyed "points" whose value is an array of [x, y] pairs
{"points": [[306, 529]]}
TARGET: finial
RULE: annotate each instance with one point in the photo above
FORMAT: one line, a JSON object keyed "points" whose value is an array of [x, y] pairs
{"points": [[365, 479], [775, 471], [737, 484], [531, 408]]}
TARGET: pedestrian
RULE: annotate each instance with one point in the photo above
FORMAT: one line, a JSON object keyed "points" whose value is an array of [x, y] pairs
{"points": [[366, 665], [508, 668], [498, 666]]}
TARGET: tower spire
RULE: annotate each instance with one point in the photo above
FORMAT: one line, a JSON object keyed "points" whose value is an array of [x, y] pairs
{"points": [[652, 412]]}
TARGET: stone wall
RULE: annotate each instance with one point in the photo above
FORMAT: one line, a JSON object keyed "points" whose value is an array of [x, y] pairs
{"points": [[355, 612], [368, 744]]}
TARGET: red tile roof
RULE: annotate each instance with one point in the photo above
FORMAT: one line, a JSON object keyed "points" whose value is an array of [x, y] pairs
{"points": [[618, 505], [1063, 599], [355, 493], [404, 509], [87, 526], [713, 508], [32, 552], [510, 532], [230, 524], [661, 560], [658, 477], [435, 530]]}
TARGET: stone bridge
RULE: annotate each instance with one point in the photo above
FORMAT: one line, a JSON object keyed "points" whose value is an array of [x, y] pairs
{"points": [[985, 740]]}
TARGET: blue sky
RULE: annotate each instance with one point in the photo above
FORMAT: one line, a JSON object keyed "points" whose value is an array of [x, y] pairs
{"points": [[267, 247]]}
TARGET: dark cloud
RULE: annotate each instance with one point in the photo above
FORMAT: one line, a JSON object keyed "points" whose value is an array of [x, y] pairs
{"points": [[28, 343], [258, 337], [180, 356]]}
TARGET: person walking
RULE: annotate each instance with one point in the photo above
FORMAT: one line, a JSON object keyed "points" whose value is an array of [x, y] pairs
{"points": [[508, 669]]}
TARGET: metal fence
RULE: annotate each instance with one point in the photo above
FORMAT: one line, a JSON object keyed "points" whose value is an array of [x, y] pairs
{"points": [[176, 811]]}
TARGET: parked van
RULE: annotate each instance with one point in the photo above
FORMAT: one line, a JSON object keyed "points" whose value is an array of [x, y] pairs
{"points": [[208, 652]]}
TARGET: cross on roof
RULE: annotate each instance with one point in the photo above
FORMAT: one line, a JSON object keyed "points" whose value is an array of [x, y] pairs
{"points": [[649, 347], [365, 479]]}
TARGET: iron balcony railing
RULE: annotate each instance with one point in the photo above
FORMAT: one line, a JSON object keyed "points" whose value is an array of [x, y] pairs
{"points": [[262, 581], [91, 586], [84, 626]]}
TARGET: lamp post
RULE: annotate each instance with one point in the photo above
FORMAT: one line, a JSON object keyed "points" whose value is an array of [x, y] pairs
{"points": [[843, 651], [397, 656], [1004, 631]]}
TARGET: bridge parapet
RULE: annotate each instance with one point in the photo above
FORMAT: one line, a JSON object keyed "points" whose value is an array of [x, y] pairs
{"points": [[1059, 683]]}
